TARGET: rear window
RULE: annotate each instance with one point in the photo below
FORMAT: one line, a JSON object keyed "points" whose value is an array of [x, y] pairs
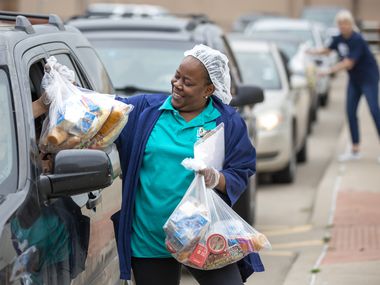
{"points": [[143, 64], [259, 69], [8, 146]]}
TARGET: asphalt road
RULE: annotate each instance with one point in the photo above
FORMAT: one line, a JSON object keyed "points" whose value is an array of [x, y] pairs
{"points": [[284, 211]]}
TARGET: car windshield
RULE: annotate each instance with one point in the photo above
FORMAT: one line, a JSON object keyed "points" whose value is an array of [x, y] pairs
{"points": [[258, 68], [298, 35], [8, 155], [141, 64]]}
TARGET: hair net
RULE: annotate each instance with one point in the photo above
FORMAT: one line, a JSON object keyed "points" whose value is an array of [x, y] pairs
{"points": [[216, 64]]}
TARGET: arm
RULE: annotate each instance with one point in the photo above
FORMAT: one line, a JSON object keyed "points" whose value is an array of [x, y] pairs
{"points": [[345, 64], [319, 51], [39, 107]]}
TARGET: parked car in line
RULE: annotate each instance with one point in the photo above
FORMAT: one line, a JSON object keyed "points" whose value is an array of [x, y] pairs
{"points": [[305, 31], [141, 55], [282, 119], [298, 64], [52, 229]]}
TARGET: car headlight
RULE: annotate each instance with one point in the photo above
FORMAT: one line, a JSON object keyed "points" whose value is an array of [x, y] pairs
{"points": [[269, 121]]}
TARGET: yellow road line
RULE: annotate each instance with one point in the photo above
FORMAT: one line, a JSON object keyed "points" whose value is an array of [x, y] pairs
{"points": [[277, 253], [287, 231], [298, 244]]}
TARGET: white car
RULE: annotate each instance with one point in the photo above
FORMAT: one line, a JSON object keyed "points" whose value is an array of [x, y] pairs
{"points": [[282, 117], [310, 33]]}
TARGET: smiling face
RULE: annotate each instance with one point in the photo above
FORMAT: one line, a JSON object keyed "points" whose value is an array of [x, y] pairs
{"points": [[190, 86]]}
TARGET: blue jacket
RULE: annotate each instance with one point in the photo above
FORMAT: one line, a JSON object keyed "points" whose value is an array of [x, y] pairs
{"points": [[239, 165]]}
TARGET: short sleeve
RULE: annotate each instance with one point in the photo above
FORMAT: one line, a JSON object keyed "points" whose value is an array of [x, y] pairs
{"points": [[334, 44], [356, 49]]}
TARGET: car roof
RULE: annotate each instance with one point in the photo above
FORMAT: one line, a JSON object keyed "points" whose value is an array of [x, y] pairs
{"points": [[251, 45], [15, 27], [281, 24], [167, 24], [197, 29]]}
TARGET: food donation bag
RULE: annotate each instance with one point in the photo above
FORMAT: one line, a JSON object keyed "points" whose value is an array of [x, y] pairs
{"points": [[203, 232], [78, 118]]}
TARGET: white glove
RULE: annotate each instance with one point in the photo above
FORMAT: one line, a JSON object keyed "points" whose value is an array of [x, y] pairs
{"points": [[211, 176]]}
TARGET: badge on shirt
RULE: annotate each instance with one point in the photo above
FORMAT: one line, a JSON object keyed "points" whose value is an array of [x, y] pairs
{"points": [[201, 132]]}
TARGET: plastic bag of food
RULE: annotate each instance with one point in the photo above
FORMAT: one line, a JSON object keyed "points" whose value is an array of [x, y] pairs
{"points": [[77, 115], [203, 231]]}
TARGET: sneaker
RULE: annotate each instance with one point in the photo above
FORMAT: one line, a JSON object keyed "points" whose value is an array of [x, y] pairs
{"points": [[348, 156]]}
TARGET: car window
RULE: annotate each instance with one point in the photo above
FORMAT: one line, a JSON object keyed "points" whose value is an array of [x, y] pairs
{"points": [[96, 71], [8, 146], [259, 69], [65, 59], [144, 64]]}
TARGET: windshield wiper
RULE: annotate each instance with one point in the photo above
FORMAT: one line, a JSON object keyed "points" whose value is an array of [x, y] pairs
{"points": [[130, 89]]}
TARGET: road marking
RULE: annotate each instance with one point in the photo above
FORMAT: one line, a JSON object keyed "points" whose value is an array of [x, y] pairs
{"points": [[288, 231], [286, 253], [298, 244]]}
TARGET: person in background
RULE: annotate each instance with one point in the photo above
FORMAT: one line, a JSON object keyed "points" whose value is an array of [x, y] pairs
{"points": [[363, 73], [160, 133]]}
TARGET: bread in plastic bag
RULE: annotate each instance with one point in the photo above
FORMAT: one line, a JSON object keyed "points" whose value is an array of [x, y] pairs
{"points": [[77, 115], [203, 232]]}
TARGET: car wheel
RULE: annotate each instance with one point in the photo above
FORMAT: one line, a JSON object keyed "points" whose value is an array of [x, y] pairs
{"points": [[246, 204], [302, 154], [287, 175]]}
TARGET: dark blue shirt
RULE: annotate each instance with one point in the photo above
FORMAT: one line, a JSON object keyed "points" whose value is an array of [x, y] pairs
{"points": [[239, 165], [356, 48]]}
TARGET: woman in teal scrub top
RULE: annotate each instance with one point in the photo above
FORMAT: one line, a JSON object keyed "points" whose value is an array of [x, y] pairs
{"points": [[161, 132]]}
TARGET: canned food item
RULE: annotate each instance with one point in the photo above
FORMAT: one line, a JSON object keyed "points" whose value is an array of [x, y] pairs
{"points": [[216, 243]]}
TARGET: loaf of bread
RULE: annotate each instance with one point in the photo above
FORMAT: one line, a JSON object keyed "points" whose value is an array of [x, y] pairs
{"points": [[56, 136], [113, 119], [112, 127]]}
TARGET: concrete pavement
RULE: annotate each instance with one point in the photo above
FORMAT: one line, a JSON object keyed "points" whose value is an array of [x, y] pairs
{"points": [[346, 217]]}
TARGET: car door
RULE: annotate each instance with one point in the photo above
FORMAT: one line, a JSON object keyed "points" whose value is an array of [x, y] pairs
{"points": [[35, 234], [102, 260]]}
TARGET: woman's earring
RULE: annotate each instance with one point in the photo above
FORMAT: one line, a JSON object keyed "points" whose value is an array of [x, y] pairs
{"points": [[205, 97]]}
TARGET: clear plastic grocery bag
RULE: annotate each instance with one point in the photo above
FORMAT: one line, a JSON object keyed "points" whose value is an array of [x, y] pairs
{"points": [[78, 118], [205, 233]]}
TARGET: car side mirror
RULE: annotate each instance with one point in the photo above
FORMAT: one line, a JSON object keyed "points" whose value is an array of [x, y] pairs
{"points": [[77, 171], [298, 81], [247, 95]]}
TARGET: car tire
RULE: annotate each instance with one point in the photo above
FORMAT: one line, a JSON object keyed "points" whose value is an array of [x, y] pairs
{"points": [[246, 204], [288, 174], [324, 99], [302, 153]]}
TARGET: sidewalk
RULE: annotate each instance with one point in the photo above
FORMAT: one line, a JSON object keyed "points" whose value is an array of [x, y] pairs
{"points": [[347, 211]]}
